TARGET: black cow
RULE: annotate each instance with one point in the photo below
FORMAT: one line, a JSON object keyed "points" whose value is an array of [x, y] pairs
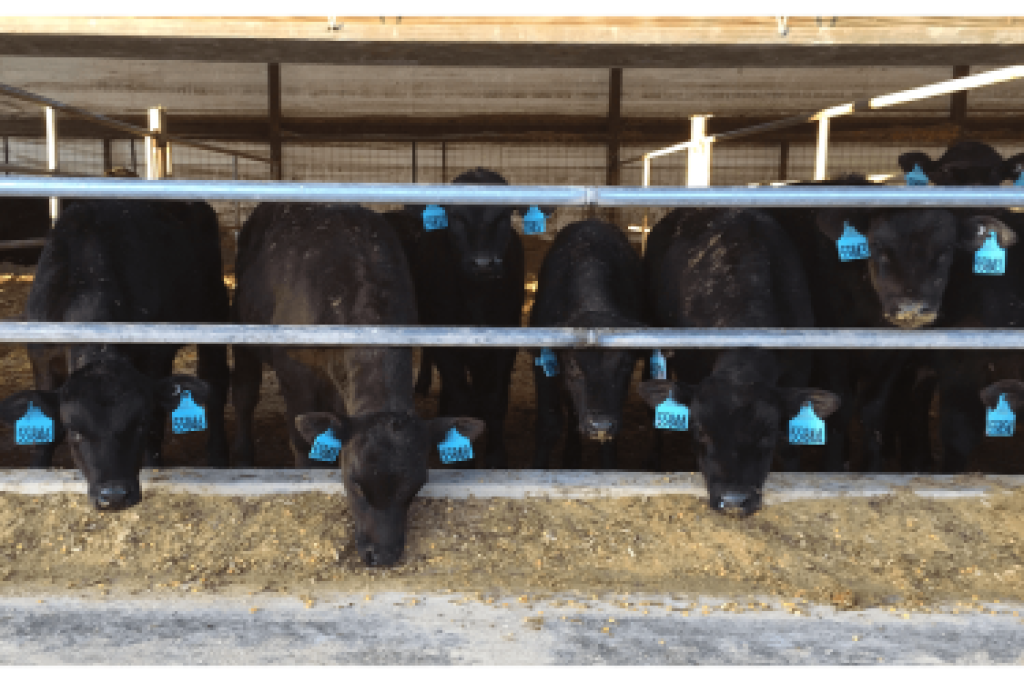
{"points": [[125, 261], [966, 162], [732, 268], [23, 218], [323, 264], [471, 273], [591, 277]]}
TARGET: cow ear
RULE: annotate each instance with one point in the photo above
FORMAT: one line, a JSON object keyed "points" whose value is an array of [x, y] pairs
{"points": [[832, 222], [1012, 167], [908, 160], [15, 406], [656, 391], [169, 390], [1013, 389], [312, 424], [467, 426], [975, 229], [548, 211], [824, 402]]}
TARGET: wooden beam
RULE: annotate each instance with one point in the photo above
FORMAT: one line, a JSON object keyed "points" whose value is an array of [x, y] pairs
{"points": [[274, 119], [528, 42]]}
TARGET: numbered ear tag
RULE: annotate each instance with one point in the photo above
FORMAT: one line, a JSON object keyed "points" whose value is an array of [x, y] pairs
{"points": [[188, 416], [852, 245], [534, 222], [990, 259], [548, 362], [34, 428], [1019, 182], [806, 428], [434, 218], [916, 177], [326, 447], [659, 369], [1000, 420], [455, 447], [672, 415]]}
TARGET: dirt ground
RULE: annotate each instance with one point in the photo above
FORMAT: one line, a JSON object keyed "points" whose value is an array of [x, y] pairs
{"points": [[900, 550], [993, 456]]}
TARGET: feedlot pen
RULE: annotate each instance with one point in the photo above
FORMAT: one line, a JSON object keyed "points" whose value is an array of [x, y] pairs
{"points": [[898, 549]]}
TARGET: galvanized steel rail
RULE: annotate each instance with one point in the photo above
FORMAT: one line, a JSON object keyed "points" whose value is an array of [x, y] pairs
{"points": [[509, 337], [723, 197]]}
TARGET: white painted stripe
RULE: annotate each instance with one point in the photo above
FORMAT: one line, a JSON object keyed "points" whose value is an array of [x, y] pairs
{"points": [[458, 484]]}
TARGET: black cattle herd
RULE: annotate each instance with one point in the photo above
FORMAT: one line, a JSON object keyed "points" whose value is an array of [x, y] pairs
{"points": [[353, 407]]}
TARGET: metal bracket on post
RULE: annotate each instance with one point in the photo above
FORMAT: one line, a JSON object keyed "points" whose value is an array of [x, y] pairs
{"points": [[698, 155], [52, 158], [821, 158], [157, 154]]}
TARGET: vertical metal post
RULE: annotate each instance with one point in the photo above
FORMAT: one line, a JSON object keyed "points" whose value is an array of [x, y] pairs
{"points": [[784, 161], [7, 153], [274, 116], [444, 162], [698, 156], [155, 164], [238, 204], [52, 157], [414, 160], [958, 101], [612, 169], [647, 183], [108, 155], [135, 160], [821, 157]]}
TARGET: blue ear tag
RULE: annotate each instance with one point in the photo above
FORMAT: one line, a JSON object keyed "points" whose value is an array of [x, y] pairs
{"points": [[1000, 420], [990, 259], [852, 245], [672, 415], [806, 428], [659, 370], [1019, 182], [434, 218], [326, 447], [547, 361], [534, 222], [916, 177], [34, 428], [455, 447], [188, 416]]}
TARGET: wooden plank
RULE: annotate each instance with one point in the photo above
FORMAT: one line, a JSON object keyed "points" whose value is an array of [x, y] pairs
{"points": [[595, 42]]}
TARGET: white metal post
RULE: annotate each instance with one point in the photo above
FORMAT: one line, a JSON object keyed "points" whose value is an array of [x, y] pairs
{"points": [[698, 155], [52, 157], [821, 158], [156, 164]]}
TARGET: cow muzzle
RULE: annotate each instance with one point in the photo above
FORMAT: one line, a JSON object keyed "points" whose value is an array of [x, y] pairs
{"points": [[483, 267], [116, 496], [742, 502], [912, 314], [600, 427]]}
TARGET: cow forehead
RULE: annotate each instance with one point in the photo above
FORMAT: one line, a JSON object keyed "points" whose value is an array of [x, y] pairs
{"points": [[932, 224], [479, 215], [107, 396]]}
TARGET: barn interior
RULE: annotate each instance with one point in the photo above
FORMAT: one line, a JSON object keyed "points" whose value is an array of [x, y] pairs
{"points": [[543, 101]]}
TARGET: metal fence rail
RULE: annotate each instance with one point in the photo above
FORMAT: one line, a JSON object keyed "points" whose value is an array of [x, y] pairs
{"points": [[509, 337], [723, 197]]}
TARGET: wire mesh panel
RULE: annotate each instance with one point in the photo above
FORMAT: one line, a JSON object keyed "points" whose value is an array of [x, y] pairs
{"points": [[190, 163]]}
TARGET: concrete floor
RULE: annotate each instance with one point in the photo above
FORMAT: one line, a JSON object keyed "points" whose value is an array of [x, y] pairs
{"points": [[391, 629]]}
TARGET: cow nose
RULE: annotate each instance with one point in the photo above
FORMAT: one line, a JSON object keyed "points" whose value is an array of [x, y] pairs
{"points": [[912, 313], [733, 500], [485, 266], [599, 426], [112, 497]]}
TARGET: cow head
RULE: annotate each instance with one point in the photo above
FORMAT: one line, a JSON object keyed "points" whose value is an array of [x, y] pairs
{"points": [[911, 251], [964, 163], [480, 234], [384, 464], [737, 426], [105, 409]]}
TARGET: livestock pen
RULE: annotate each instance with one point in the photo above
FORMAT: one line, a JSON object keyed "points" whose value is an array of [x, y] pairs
{"points": [[567, 145]]}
